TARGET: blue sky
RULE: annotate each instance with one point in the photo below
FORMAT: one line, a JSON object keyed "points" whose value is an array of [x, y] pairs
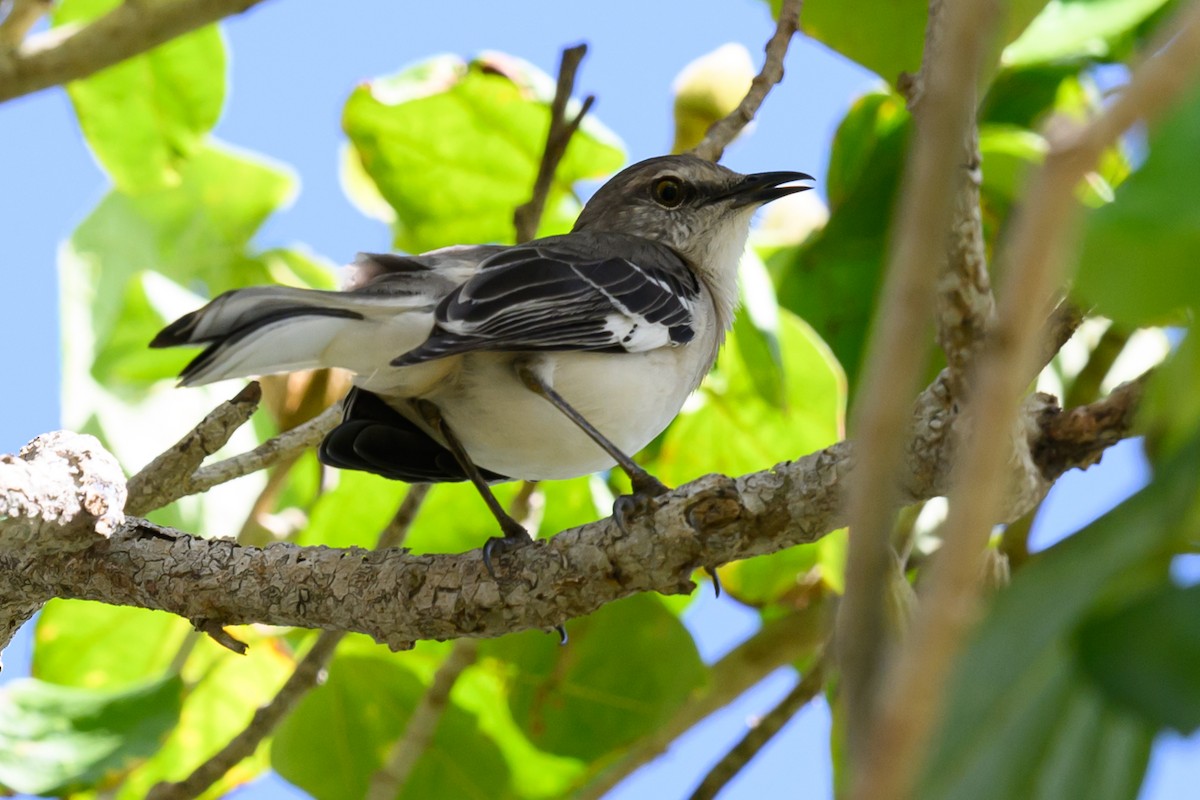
{"points": [[293, 63]]}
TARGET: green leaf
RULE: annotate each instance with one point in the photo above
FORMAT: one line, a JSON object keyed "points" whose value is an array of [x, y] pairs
{"points": [[627, 668], [888, 36], [1022, 720], [1146, 656], [59, 739], [122, 357], [355, 511], [756, 331], [454, 147], [832, 281], [145, 116], [728, 427], [1150, 234], [339, 734], [1074, 28], [92, 645], [224, 689]]}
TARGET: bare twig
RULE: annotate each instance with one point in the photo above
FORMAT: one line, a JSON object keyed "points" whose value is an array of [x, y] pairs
{"points": [[722, 132], [222, 637], [389, 780], [22, 15], [779, 642], [126, 31], [912, 700], [761, 732], [558, 136], [894, 360], [266, 454], [164, 480], [306, 675]]}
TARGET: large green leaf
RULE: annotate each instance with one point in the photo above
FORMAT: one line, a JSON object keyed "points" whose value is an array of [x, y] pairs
{"points": [[354, 512], [627, 667], [454, 147], [1022, 719], [1146, 656], [145, 116], [58, 739], [888, 36], [339, 734], [1138, 260], [92, 645], [832, 281], [1073, 28], [224, 689]]}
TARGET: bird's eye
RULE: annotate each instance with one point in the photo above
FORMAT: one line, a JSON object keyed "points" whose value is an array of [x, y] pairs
{"points": [[668, 192]]}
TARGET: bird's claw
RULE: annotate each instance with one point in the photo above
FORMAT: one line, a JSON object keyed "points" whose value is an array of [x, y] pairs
{"points": [[498, 545], [645, 488], [562, 634], [716, 579]]}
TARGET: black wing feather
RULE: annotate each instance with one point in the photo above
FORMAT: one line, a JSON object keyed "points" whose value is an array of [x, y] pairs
{"points": [[538, 298]]}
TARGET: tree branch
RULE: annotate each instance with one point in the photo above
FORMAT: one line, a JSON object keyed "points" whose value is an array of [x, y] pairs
{"points": [[60, 495], [165, 479], [270, 452], [22, 15], [912, 701], [894, 364], [400, 598], [126, 31], [760, 733], [722, 132]]}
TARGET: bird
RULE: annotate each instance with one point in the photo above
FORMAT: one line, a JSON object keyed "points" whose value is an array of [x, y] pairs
{"points": [[551, 359]]}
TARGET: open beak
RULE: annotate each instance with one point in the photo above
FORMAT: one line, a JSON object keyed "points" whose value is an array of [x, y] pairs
{"points": [[763, 187]]}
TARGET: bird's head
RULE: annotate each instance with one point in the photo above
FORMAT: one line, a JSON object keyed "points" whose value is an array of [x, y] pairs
{"points": [[699, 209]]}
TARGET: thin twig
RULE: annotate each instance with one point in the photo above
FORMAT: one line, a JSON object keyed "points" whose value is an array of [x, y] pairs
{"points": [[912, 700], [22, 15], [527, 216], [304, 677], [390, 779], [779, 642], [895, 359], [165, 479], [761, 732], [266, 454], [124, 32], [723, 131]]}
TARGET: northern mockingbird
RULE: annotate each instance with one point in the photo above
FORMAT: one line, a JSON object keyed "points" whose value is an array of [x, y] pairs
{"points": [[550, 359]]}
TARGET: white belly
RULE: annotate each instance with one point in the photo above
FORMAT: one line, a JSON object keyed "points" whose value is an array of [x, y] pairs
{"points": [[506, 428]]}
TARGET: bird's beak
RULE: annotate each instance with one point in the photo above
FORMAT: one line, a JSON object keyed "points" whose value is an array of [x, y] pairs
{"points": [[763, 187]]}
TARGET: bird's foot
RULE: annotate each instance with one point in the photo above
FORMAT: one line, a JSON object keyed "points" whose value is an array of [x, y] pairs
{"points": [[514, 537], [645, 488]]}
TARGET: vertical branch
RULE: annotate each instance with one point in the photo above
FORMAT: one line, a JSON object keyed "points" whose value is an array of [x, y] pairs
{"points": [[895, 359], [912, 700]]}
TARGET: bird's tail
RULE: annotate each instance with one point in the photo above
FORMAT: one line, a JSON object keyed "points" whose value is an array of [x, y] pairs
{"points": [[271, 329]]}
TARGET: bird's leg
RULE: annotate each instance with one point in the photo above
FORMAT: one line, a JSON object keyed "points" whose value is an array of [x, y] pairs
{"points": [[645, 485], [514, 533]]}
